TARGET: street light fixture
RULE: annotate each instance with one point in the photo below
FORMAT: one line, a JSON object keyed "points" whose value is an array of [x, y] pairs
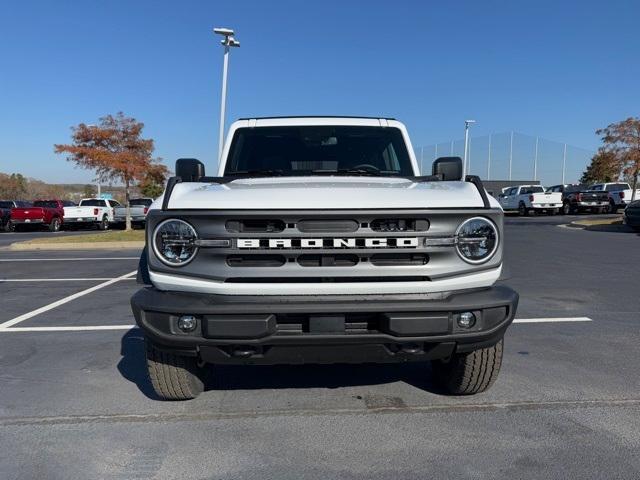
{"points": [[228, 42], [467, 124]]}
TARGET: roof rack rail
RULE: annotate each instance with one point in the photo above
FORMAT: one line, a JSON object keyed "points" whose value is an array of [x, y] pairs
{"points": [[315, 116]]}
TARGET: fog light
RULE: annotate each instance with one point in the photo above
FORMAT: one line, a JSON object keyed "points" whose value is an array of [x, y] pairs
{"points": [[187, 323], [466, 320]]}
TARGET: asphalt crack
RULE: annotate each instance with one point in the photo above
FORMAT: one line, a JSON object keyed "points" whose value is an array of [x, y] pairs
{"points": [[369, 410]]}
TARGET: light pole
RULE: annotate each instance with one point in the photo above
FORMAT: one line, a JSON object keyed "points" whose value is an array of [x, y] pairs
{"points": [[228, 42], [467, 124]]}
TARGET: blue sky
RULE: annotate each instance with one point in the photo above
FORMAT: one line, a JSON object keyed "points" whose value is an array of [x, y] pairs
{"points": [[555, 69]]}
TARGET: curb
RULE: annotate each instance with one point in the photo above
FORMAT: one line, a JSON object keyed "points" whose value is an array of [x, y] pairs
{"points": [[25, 246]]}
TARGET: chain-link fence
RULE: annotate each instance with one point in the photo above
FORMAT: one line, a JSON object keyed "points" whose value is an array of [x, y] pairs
{"points": [[513, 156]]}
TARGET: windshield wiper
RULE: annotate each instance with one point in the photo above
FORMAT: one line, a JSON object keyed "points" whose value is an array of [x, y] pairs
{"points": [[261, 173], [356, 171]]}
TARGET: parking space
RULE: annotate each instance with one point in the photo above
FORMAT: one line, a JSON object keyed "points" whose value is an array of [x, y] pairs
{"points": [[74, 374]]}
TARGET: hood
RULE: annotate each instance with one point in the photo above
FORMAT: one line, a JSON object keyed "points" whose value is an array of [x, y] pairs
{"points": [[282, 193]]}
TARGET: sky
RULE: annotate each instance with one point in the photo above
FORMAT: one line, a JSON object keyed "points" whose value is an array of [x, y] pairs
{"points": [[557, 69]]}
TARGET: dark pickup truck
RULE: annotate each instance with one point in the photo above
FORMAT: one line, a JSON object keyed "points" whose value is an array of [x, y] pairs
{"points": [[578, 198], [5, 212], [49, 213]]}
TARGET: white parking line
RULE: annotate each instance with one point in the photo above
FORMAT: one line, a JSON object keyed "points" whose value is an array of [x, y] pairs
{"points": [[85, 328], [96, 279], [65, 259], [552, 320], [62, 301]]}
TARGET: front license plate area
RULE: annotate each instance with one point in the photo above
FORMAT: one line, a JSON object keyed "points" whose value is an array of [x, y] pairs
{"points": [[326, 324]]}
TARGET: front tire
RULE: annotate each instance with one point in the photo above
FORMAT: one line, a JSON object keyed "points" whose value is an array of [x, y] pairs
{"points": [[469, 373], [10, 226], [613, 208], [173, 377]]}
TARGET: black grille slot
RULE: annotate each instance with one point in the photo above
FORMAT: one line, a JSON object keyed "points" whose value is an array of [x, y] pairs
{"points": [[256, 260], [400, 225], [255, 226], [328, 260], [400, 259], [328, 226], [406, 278]]}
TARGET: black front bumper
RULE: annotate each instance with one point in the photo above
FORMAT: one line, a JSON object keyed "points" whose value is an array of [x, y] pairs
{"points": [[324, 328]]}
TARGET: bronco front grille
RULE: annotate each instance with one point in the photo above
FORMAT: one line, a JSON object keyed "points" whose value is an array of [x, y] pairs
{"points": [[320, 246]]}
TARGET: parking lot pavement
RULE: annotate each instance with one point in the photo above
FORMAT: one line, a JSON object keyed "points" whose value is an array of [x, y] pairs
{"points": [[77, 404]]}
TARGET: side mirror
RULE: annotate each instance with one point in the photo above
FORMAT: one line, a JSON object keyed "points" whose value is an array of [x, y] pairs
{"points": [[189, 169], [450, 168]]}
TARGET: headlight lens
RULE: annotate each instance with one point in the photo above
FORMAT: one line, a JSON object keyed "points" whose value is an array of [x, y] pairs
{"points": [[476, 240], [174, 242]]}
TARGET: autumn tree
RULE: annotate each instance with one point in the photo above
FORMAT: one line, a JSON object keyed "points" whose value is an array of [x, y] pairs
{"points": [[604, 167], [622, 139], [115, 150]]}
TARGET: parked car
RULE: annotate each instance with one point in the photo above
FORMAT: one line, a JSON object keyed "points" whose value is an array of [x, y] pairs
{"points": [[632, 215], [5, 213], [620, 194], [319, 242], [578, 198], [138, 208], [97, 212], [47, 213], [530, 198]]}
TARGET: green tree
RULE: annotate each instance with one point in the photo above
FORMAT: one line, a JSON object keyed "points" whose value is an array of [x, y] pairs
{"points": [[152, 185], [604, 167]]}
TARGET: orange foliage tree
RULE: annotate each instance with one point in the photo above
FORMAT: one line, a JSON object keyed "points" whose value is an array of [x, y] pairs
{"points": [[622, 140], [115, 150]]}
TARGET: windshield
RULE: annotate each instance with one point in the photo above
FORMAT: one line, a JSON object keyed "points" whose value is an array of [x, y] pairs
{"points": [[6, 204], [318, 150], [93, 203], [527, 190], [45, 204], [614, 187], [141, 202]]}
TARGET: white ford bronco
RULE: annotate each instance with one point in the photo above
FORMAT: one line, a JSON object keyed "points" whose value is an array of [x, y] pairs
{"points": [[319, 242]]}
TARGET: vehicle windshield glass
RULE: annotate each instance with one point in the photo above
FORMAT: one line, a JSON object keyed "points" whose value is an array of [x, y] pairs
{"points": [[574, 188], [318, 150], [6, 204], [614, 187], [528, 190], [45, 204], [140, 202], [92, 203]]}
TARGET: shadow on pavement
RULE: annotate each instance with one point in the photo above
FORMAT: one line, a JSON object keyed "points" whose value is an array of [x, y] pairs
{"points": [[132, 366], [615, 228]]}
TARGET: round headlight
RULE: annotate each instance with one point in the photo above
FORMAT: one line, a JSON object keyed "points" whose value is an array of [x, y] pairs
{"points": [[476, 240], [174, 242]]}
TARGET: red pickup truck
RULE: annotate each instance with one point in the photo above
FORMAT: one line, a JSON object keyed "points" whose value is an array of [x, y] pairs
{"points": [[49, 213]]}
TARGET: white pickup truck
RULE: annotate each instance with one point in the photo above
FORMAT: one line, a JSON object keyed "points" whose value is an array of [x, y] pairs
{"points": [[620, 194], [530, 198], [98, 212], [319, 242]]}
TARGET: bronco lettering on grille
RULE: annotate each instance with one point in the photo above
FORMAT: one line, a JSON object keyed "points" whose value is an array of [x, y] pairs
{"points": [[283, 243]]}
